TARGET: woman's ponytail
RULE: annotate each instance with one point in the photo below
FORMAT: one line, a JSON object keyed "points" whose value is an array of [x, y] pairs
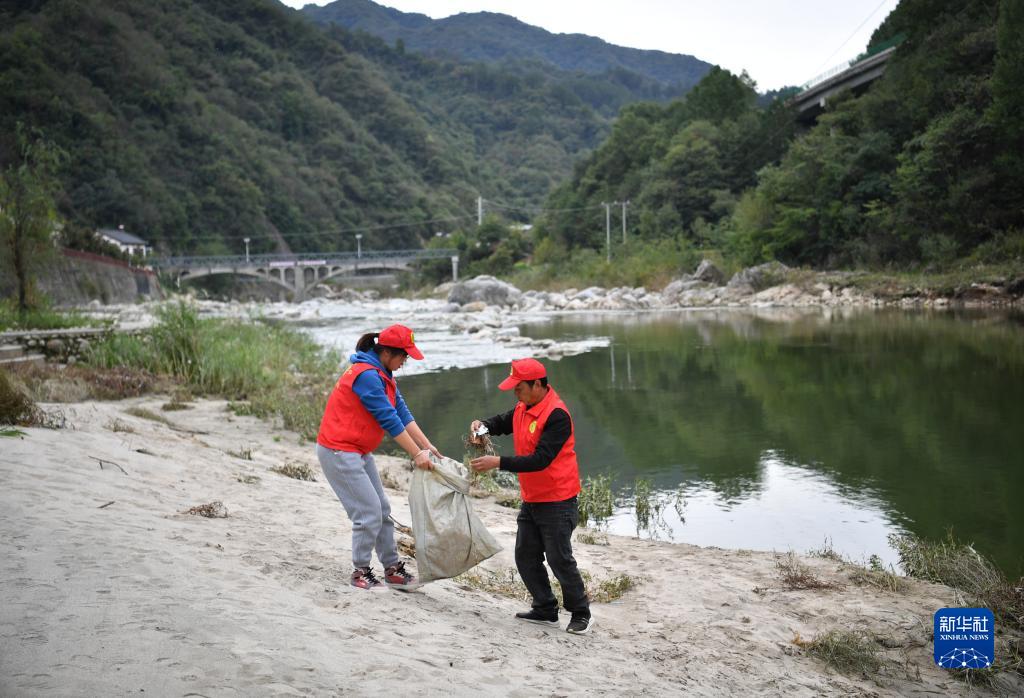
{"points": [[367, 342]]}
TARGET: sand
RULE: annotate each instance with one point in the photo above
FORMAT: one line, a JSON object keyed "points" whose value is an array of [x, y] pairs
{"points": [[108, 589]]}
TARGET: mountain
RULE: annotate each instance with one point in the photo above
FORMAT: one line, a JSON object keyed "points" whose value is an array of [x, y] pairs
{"points": [[924, 169], [492, 37], [198, 124]]}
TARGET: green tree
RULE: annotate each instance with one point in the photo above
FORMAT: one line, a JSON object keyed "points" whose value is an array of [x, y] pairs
{"points": [[28, 216]]}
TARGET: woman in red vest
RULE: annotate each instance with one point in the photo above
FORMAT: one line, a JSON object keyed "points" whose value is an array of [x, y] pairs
{"points": [[364, 404], [549, 482]]}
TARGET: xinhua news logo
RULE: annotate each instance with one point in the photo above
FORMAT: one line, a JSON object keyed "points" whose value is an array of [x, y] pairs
{"points": [[965, 638]]}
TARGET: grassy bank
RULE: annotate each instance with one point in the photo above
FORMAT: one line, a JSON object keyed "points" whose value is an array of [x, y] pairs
{"points": [[40, 318], [269, 370]]}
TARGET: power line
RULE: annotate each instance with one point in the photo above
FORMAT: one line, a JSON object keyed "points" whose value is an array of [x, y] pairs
{"points": [[859, 27], [330, 233], [540, 209]]}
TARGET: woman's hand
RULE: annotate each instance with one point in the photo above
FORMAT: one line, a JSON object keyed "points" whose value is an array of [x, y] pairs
{"points": [[485, 463], [433, 449], [473, 426], [422, 460]]}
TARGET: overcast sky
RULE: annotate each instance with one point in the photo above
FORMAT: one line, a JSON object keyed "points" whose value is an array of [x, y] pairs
{"points": [[779, 42]]}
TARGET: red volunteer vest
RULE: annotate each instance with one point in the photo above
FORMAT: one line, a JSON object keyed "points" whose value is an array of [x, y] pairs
{"points": [[347, 425], [560, 480]]}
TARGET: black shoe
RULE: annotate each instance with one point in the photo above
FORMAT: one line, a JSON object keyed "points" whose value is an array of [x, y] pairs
{"points": [[580, 624], [540, 617]]}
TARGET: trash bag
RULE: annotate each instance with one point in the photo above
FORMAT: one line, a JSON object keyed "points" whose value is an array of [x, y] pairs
{"points": [[450, 539]]}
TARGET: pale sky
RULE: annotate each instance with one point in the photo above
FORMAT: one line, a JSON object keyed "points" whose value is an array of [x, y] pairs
{"points": [[779, 42]]}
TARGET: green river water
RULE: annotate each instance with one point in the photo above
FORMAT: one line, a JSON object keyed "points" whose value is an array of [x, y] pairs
{"points": [[779, 430]]}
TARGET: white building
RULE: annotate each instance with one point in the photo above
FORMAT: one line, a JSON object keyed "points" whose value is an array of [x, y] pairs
{"points": [[123, 240]]}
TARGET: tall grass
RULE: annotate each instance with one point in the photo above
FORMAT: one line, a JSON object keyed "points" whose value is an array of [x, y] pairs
{"points": [[960, 566], [596, 501], [278, 370], [42, 318]]}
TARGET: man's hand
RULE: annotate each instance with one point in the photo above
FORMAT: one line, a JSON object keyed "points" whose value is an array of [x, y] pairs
{"points": [[484, 463]]}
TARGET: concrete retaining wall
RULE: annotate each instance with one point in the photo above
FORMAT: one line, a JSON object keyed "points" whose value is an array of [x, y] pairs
{"points": [[72, 277]]}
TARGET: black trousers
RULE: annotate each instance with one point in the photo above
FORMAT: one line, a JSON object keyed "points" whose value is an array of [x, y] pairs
{"points": [[545, 531]]}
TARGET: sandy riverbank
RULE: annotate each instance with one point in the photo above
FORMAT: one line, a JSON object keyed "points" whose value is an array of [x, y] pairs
{"points": [[110, 590]]}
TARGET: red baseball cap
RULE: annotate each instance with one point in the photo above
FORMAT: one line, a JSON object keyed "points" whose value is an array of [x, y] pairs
{"points": [[523, 370], [400, 337]]}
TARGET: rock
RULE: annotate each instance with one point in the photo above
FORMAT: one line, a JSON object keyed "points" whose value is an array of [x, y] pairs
{"points": [[708, 272], [54, 346], [451, 308], [758, 278], [590, 293], [1016, 287], [473, 307], [487, 289], [444, 289]]}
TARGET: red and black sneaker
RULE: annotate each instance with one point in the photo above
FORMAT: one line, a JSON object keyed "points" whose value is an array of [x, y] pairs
{"points": [[400, 578], [364, 578]]}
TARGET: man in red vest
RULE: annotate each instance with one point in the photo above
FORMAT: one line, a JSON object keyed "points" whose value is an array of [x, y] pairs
{"points": [[549, 481]]}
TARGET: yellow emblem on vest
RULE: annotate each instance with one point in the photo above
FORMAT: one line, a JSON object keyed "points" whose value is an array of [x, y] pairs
{"points": [[533, 426]]}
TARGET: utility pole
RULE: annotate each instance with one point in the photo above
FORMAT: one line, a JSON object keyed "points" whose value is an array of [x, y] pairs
{"points": [[246, 250], [624, 205], [479, 210], [608, 230]]}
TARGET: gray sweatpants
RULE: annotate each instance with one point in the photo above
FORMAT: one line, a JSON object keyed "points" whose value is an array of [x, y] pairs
{"points": [[354, 478]]}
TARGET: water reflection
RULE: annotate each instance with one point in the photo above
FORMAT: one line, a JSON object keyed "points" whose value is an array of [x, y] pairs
{"points": [[785, 507], [784, 427]]}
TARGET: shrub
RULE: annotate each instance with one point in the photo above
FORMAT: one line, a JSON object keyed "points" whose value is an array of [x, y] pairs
{"points": [[15, 406], [596, 503]]}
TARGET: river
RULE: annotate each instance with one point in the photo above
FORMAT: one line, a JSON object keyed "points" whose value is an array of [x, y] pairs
{"points": [[783, 429]]}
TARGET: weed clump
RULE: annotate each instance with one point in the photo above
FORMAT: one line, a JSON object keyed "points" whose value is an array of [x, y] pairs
{"points": [[845, 651], [242, 453], [174, 406], [960, 566], [295, 470], [877, 576], [591, 538], [797, 576], [143, 413], [120, 426], [213, 510]]}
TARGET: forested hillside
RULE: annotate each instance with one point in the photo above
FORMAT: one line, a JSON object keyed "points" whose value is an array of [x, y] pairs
{"points": [[925, 168], [492, 37], [196, 124]]}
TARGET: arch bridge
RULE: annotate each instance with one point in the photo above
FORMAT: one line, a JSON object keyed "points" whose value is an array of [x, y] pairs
{"points": [[298, 273]]}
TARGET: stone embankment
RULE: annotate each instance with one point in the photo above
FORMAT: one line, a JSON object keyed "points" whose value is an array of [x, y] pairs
{"points": [[62, 346], [766, 285]]}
